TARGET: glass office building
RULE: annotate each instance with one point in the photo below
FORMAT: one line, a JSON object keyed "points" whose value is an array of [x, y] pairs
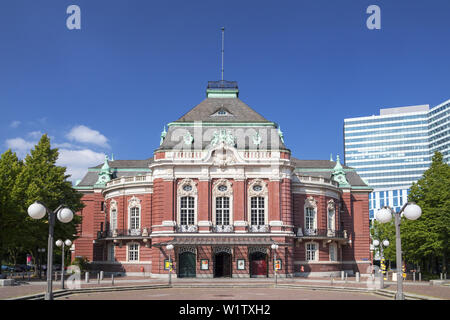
{"points": [[393, 149]]}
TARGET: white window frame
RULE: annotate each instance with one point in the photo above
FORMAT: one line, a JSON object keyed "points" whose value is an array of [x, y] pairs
{"points": [[316, 251], [132, 204], [222, 194], [138, 251], [263, 193], [183, 193], [311, 204], [334, 246], [112, 209], [331, 221], [111, 252]]}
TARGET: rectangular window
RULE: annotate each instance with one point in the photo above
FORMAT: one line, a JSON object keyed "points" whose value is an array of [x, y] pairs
{"points": [[111, 252], [187, 211], [113, 220], [135, 218], [310, 219], [333, 253], [223, 211], [133, 252], [311, 249], [257, 211]]}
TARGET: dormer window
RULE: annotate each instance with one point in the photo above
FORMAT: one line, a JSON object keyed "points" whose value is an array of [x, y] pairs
{"points": [[222, 112]]}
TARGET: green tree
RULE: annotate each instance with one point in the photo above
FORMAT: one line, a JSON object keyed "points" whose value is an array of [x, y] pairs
{"points": [[385, 231], [10, 167], [427, 237], [41, 180]]}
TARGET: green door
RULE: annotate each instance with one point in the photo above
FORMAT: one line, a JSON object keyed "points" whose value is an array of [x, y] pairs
{"points": [[186, 268]]}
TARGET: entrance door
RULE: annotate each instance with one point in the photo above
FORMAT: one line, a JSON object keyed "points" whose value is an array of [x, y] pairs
{"points": [[222, 265], [186, 267], [258, 265]]}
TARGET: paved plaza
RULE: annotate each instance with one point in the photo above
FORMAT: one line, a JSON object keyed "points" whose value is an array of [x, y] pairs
{"points": [[225, 294], [228, 289]]}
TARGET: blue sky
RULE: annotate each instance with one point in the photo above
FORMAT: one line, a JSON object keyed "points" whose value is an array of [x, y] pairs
{"points": [[137, 65]]}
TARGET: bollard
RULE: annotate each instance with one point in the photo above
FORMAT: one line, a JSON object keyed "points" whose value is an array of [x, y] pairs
{"points": [[56, 275], [101, 275], [86, 277], [357, 277], [414, 276], [342, 275], [441, 275], [98, 278], [346, 274], [420, 276], [112, 279], [381, 281]]}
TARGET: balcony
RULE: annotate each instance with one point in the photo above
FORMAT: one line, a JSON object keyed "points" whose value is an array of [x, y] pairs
{"points": [[124, 233], [259, 228], [187, 228], [321, 234], [223, 228]]}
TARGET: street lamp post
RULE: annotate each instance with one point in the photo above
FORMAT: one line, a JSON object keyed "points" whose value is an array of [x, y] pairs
{"points": [[412, 212], [275, 247], [169, 248], [37, 211], [385, 243], [61, 243]]}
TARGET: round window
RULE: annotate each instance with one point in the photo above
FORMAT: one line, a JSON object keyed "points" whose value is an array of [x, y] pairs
{"points": [[257, 188], [187, 187], [222, 188]]}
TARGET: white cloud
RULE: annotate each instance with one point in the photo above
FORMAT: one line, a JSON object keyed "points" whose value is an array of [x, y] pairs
{"points": [[78, 161], [84, 134], [35, 134], [15, 124], [20, 146]]}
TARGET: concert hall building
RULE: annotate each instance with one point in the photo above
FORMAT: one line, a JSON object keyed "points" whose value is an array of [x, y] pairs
{"points": [[222, 188]]}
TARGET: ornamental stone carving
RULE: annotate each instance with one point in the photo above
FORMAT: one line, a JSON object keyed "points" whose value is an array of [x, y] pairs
{"points": [[311, 202], [113, 205], [134, 202], [187, 187], [223, 136], [331, 205], [223, 157], [183, 249], [222, 188], [257, 188], [257, 249], [222, 249], [188, 138]]}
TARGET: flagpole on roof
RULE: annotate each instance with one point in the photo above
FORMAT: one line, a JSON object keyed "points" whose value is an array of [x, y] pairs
{"points": [[223, 47]]}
